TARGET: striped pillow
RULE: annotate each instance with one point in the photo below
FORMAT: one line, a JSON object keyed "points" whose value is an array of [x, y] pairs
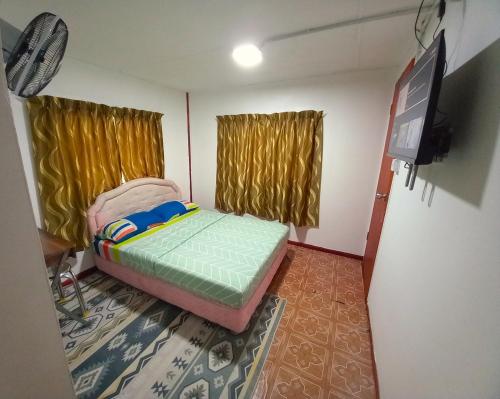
{"points": [[190, 206], [118, 230]]}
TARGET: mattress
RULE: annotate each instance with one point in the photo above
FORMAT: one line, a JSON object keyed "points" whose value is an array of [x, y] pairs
{"points": [[216, 256]]}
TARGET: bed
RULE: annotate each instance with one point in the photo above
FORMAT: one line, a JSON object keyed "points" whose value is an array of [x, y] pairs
{"points": [[215, 265]]}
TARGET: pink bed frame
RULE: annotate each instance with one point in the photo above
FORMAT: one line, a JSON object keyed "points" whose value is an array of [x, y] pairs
{"points": [[143, 194]]}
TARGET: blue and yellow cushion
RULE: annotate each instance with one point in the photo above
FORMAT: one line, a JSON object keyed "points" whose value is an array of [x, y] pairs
{"points": [[173, 209], [125, 228]]}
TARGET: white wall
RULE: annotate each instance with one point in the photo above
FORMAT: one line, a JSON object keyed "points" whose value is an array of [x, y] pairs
{"points": [[81, 81], [435, 295], [356, 107], [32, 355]]}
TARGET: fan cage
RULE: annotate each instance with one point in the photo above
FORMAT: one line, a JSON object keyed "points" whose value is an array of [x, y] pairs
{"points": [[45, 38]]}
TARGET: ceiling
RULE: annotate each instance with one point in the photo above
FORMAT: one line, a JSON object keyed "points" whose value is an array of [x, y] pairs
{"points": [[187, 44]]}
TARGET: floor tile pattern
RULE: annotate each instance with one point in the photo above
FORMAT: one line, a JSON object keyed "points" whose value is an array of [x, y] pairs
{"points": [[322, 348]]}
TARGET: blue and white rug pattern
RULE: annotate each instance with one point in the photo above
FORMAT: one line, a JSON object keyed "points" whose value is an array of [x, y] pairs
{"points": [[140, 347]]}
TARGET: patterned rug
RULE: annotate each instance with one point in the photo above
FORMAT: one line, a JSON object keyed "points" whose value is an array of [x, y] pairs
{"points": [[137, 346]]}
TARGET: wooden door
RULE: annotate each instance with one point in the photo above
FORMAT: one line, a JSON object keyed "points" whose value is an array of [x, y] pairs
{"points": [[382, 195]]}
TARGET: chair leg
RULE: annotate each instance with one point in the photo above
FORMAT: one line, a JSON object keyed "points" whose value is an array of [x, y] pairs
{"points": [[56, 285], [78, 292], [60, 291]]}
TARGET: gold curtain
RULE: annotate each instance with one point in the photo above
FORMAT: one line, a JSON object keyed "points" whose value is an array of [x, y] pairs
{"points": [[270, 165], [82, 149], [140, 140], [76, 155]]}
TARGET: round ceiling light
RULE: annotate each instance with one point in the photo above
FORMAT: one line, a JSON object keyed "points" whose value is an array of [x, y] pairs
{"points": [[247, 55]]}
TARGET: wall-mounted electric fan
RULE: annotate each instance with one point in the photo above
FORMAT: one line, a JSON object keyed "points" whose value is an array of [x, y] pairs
{"points": [[36, 56]]}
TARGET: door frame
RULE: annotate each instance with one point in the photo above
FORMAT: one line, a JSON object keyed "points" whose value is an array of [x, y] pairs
{"points": [[384, 183]]}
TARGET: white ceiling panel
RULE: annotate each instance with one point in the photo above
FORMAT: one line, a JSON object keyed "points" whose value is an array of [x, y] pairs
{"points": [[386, 42], [187, 44], [376, 6]]}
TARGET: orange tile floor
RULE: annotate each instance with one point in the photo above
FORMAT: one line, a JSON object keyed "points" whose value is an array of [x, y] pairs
{"points": [[322, 347]]}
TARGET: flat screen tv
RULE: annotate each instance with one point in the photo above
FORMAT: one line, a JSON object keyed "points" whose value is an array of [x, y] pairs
{"points": [[413, 138]]}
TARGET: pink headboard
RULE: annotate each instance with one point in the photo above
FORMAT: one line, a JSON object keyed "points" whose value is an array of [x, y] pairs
{"points": [[134, 196]]}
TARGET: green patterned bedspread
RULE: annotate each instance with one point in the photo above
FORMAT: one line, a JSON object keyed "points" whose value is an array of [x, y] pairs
{"points": [[216, 256]]}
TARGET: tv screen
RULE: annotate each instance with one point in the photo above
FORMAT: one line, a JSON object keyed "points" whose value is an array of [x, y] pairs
{"points": [[411, 136]]}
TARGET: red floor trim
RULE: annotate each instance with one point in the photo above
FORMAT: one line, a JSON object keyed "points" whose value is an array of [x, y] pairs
{"points": [[189, 147], [330, 251]]}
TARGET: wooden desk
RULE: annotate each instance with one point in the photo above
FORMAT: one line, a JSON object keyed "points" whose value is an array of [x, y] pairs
{"points": [[56, 252], [55, 248]]}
